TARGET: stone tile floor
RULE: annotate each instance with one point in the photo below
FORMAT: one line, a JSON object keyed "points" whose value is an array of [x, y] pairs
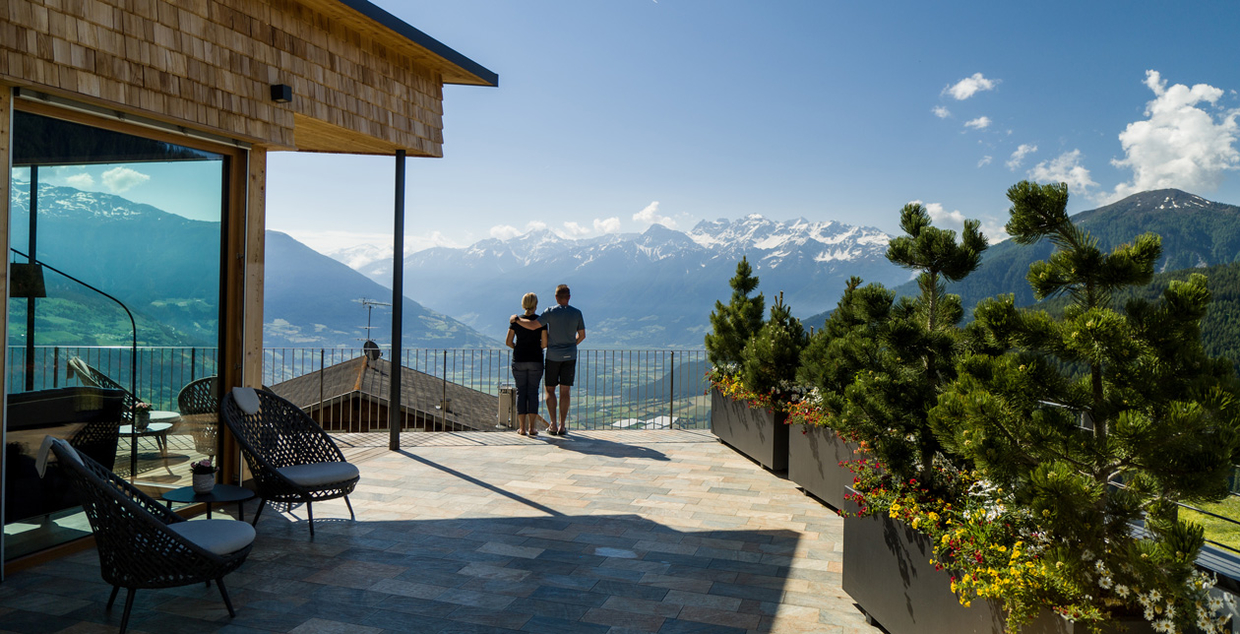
{"points": [[608, 532]]}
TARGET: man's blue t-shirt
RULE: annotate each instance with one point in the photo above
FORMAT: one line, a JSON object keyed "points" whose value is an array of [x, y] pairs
{"points": [[562, 324]]}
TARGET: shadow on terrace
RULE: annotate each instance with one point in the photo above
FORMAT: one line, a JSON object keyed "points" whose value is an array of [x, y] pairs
{"points": [[480, 537]]}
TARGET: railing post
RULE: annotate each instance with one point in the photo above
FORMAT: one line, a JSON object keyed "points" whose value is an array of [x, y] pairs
{"points": [[671, 391]]}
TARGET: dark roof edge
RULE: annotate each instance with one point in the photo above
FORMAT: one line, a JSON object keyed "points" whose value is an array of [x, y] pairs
{"points": [[368, 9]]}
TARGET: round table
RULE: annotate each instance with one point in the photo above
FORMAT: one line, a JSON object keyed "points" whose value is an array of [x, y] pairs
{"points": [[220, 493], [158, 430]]}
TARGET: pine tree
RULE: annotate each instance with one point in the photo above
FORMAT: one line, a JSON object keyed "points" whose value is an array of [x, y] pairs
{"points": [[892, 358], [734, 324], [771, 358], [1144, 420]]}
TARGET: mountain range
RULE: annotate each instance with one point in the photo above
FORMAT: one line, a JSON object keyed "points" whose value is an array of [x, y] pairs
{"points": [[653, 289], [1195, 232], [161, 265]]}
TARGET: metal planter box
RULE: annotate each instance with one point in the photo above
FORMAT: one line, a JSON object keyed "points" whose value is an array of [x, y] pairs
{"points": [[814, 455], [760, 434], [887, 572]]}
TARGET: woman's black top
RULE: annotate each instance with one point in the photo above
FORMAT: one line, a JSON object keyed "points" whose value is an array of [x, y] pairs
{"points": [[528, 343]]}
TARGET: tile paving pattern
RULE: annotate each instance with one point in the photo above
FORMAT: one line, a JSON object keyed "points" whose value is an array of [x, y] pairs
{"points": [[493, 533]]}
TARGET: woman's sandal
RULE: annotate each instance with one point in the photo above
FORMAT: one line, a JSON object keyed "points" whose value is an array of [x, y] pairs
{"points": [[533, 433]]}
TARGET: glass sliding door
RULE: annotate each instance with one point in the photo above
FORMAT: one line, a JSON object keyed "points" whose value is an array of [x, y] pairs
{"points": [[113, 309]]}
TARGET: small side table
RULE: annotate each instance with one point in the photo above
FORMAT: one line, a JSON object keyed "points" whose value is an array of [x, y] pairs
{"points": [[220, 493]]}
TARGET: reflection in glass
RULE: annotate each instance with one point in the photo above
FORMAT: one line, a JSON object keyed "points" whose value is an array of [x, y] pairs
{"points": [[138, 220]]}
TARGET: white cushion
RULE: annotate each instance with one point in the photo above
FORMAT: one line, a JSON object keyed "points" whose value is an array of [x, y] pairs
{"points": [[46, 448], [319, 473], [247, 399], [221, 537]]}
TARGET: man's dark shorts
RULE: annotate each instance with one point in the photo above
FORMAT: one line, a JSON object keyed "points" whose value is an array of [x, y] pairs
{"points": [[560, 373]]}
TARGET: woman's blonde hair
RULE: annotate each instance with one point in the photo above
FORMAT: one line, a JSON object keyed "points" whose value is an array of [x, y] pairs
{"points": [[529, 302]]}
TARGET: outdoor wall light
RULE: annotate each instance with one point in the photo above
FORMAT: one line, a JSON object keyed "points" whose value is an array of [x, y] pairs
{"points": [[281, 93]]}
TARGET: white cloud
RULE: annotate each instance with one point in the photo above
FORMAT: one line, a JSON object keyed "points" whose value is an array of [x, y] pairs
{"points": [[80, 181], [505, 232], [1019, 155], [941, 112], [954, 220], [650, 215], [1180, 145], [576, 230], [607, 225], [120, 179], [980, 123], [985, 161], [1065, 168], [970, 86]]}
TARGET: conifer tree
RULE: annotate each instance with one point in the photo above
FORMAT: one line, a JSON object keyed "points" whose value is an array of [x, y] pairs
{"points": [[1098, 418], [772, 356], [734, 324], [900, 354]]}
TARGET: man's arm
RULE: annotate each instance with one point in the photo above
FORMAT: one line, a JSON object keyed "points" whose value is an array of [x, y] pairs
{"points": [[525, 322], [581, 335]]}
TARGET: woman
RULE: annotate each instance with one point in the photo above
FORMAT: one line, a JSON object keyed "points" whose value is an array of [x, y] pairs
{"points": [[527, 364]]}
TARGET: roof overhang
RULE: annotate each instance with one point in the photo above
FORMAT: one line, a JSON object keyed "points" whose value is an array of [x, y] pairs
{"points": [[454, 67]]}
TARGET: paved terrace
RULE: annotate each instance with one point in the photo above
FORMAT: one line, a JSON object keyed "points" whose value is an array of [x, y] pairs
{"points": [[607, 532]]}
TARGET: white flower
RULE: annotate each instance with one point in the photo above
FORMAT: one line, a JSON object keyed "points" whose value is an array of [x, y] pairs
{"points": [[1155, 596], [1121, 590], [1086, 555], [1163, 626], [1106, 583], [1099, 566], [1216, 603]]}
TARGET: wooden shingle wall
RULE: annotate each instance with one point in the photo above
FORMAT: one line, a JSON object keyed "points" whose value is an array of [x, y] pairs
{"points": [[209, 64]]}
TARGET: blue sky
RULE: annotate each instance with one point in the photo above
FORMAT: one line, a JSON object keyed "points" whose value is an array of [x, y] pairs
{"points": [[614, 114]]}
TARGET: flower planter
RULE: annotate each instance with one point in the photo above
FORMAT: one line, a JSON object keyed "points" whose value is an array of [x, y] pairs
{"points": [[760, 434], [887, 571], [814, 455]]}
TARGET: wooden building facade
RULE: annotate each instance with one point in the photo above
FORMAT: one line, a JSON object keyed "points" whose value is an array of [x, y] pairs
{"points": [[202, 90]]}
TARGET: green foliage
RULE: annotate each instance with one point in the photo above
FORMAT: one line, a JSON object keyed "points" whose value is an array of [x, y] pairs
{"points": [[771, 358], [734, 324], [879, 364], [1062, 409]]}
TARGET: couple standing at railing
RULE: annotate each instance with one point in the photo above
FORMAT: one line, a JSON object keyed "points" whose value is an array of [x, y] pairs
{"points": [[559, 329]]}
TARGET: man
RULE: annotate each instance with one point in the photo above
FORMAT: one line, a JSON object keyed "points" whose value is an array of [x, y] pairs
{"points": [[566, 328]]}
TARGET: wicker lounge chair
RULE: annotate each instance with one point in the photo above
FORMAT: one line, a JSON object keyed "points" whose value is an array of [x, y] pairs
{"points": [[199, 402], [141, 543], [94, 378], [293, 460]]}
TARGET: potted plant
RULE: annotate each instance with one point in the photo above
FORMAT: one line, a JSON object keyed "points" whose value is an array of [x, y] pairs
{"points": [[1094, 423], [880, 367], [203, 476], [753, 401], [742, 419], [141, 416], [818, 455]]}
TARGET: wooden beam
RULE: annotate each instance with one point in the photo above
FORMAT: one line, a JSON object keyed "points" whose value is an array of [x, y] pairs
{"points": [[6, 120]]}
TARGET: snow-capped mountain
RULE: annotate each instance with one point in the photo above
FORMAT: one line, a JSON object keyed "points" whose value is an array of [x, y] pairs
{"points": [[362, 256], [650, 289]]}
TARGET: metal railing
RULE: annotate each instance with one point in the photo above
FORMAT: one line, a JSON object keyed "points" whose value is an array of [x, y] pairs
{"points": [[614, 389], [162, 370]]}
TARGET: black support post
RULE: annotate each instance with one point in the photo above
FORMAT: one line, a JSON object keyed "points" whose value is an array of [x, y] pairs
{"points": [[398, 293]]}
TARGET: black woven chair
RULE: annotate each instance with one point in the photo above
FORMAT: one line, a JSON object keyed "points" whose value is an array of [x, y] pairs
{"points": [[199, 400], [94, 378], [141, 543], [292, 459]]}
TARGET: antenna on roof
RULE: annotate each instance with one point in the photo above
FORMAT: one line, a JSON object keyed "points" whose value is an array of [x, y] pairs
{"points": [[370, 307]]}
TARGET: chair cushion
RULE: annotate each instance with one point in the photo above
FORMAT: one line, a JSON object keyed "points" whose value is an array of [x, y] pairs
{"points": [[319, 473], [247, 399], [221, 537]]}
